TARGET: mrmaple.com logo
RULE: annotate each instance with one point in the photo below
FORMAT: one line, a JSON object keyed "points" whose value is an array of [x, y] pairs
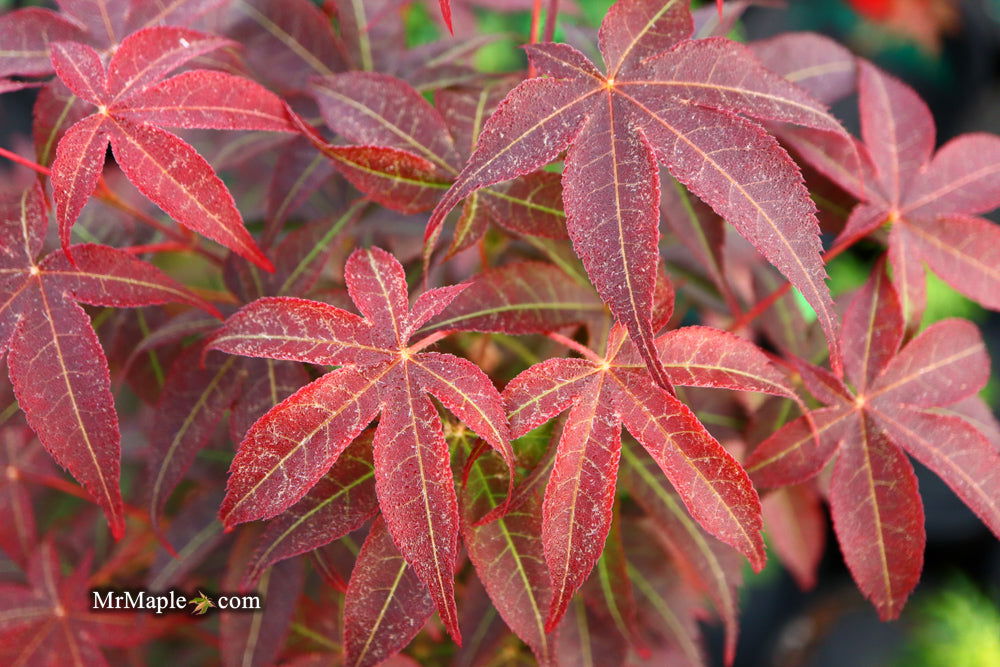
{"points": [[158, 603]]}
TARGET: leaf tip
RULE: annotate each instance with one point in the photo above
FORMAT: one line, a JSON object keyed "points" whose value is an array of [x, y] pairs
{"points": [[446, 14]]}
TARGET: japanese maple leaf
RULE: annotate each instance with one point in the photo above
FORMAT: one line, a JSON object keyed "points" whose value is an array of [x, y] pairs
{"points": [[292, 446], [27, 33], [669, 100], [405, 153], [602, 394], [133, 101], [931, 199], [56, 364], [873, 494], [49, 621]]}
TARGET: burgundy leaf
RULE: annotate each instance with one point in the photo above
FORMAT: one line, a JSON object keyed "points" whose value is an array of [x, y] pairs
{"points": [[416, 491], [960, 249], [27, 34], [714, 487], [76, 170], [962, 178], [872, 329], [668, 611], [897, 128], [796, 524], [520, 298], [62, 384], [103, 276], [191, 405], [792, 455], [386, 603], [954, 450], [511, 544], [286, 42], [51, 621], [131, 105], [813, 62], [150, 54], [81, 69], [705, 357], [576, 514], [878, 517], [602, 395], [900, 403], [256, 639], [292, 446], [153, 159], [297, 442], [699, 558], [211, 100], [929, 200], [678, 107], [944, 364], [341, 501]]}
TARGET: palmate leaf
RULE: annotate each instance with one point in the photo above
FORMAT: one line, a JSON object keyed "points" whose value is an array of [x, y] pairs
{"points": [[931, 199], [28, 33], [56, 364], [893, 408], [50, 620], [133, 100], [664, 100], [292, 446], [602, 395]]}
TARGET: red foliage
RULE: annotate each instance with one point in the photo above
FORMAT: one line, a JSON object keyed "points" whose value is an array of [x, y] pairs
{"points": [[480, 481]]}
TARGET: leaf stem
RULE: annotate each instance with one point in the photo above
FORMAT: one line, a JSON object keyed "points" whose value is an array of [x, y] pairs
{"points": [[761, 306], [429, 340], [550, 21], [184, 237], [24, 162], [573, 345], [536, 16]]}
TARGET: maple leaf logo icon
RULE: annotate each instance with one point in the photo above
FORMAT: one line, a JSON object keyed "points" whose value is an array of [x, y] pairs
{"points": [[202, 603]]}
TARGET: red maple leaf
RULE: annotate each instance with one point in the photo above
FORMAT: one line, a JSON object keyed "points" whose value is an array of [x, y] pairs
{"points": [[293, 445], [604, 393], [56, 364], [669, 100], [50, 620], [930, 198], [133, 101], [895, 407], [27, 33]]}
